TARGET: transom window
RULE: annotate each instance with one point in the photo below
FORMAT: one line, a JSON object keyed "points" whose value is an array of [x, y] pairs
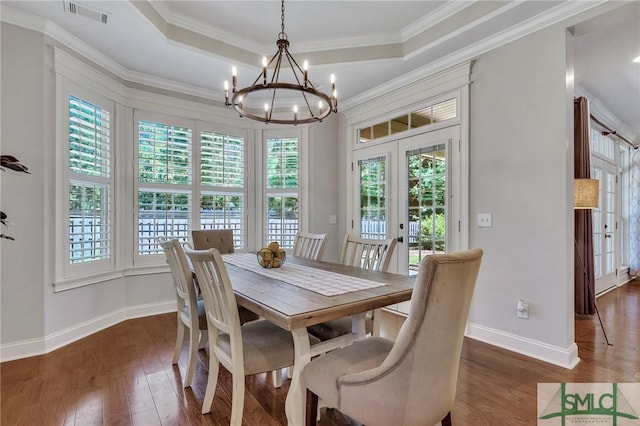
{"points": [[436, 113]]}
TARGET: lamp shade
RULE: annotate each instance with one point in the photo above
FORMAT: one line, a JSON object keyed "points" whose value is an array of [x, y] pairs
{"points": [[585, 193]]}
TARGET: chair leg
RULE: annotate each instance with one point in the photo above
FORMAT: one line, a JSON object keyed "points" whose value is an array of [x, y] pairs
{"points": [[237, 400], [276, 377], [447, 420], [179, 341], [204, 339], [212, 383], [193, 353], [311, 414]]}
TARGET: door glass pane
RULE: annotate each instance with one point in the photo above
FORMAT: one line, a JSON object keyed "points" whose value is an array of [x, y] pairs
{"points": [[427, 209], [596, 217], [373, 197], [610, 223]]}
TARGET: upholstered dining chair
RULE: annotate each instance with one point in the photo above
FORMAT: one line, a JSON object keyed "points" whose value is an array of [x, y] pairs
{"points": [[411, 381], [190, 310], [256, 347], [221, 239], [366, 253], [309, 245]]}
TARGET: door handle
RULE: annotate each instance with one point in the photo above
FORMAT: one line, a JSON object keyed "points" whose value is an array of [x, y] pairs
{"points": [[400, 239]]}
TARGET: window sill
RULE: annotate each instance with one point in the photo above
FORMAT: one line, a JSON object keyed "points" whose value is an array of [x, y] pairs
{"points": [[145, 270], [86, 280]]}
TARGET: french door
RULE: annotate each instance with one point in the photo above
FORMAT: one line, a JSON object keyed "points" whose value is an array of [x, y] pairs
{"points": [[409, 189], [605, 225]]}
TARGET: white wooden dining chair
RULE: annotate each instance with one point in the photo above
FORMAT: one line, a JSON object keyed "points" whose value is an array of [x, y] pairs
{"points": [[222, 240], [309, 245], [190, 310], [365, 253], [256, 347], [411, 381]]}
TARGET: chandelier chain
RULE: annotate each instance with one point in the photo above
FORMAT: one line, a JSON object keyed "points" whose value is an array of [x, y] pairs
{"points": [[282, 33]]}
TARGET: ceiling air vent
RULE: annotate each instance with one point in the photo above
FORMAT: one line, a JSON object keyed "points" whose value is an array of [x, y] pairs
{"points": [[86, 11]]}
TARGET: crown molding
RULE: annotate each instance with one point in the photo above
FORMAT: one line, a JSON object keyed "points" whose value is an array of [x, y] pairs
{"points": [[440, 14], [557, 14]]}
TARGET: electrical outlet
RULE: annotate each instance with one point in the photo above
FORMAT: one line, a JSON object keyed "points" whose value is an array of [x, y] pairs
{"points": [[485, 220], [523, 309]]}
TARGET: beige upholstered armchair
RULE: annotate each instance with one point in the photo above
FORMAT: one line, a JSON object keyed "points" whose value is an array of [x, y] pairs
{"points": [[411, 381]]}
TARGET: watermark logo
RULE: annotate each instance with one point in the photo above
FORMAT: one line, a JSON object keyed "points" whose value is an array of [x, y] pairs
{"points": [[616, 404]]}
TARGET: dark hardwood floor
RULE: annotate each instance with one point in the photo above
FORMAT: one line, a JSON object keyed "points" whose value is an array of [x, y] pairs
{"points": [[123, 376]]}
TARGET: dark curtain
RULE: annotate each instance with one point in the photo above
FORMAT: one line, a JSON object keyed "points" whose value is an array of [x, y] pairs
{"points": [[583, 257]]}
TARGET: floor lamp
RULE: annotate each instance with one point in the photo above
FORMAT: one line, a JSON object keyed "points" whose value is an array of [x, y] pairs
{"points": [[585, 196]]}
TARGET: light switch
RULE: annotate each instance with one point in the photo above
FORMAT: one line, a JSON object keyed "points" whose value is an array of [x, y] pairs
{"points": [[484, 220], [333, 219]]}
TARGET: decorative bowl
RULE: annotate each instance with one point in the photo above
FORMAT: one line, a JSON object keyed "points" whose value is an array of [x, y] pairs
{"points": [[271, 259]]}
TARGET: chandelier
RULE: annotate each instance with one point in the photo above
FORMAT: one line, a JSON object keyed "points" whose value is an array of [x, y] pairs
{"points": [[270, 100]]}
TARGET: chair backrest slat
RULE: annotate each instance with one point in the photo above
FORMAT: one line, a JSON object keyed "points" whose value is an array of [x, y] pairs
{"points": [[309, 245], [367, 253], [217, 293], [180, 271]]}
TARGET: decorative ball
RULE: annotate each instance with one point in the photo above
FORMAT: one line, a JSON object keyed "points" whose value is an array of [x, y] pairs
{"points": [[271, 259]]}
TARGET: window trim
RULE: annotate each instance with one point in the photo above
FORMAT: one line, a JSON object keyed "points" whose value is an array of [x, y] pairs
{"points": [[79, 274]]}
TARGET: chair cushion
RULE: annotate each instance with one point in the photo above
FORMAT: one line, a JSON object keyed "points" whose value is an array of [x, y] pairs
{"points": [[334, 328], [266, 346], [323, 373]]}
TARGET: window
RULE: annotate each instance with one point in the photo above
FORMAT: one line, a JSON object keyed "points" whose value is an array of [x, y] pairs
{"points": [[373, 197], [164, 184], [222, 182], [89, 187], [282, 189], [441, 111]]}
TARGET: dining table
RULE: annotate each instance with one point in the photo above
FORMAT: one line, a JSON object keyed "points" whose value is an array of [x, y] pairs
{"points": [[304, 292]]}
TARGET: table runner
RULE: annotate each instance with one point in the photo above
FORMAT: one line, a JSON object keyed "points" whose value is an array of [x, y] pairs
{"points": [[323, 282]]}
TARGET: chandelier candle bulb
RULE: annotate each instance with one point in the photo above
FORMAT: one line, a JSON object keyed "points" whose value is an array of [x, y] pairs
{"points": [[266, 111], [295, 112], [234, 78], [264, 70], [305, 69], [226, 93]]}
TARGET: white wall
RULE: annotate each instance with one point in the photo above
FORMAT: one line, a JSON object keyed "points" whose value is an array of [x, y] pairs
{"points": [[521, 171], [22, 276], [324, 185]]}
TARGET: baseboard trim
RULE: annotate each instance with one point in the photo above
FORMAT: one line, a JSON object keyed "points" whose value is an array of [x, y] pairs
{"points": [[40, 346], [563, 357]]}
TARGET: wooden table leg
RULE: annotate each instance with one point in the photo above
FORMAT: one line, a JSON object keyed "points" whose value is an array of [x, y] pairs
{"points": [[296, 403]]}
